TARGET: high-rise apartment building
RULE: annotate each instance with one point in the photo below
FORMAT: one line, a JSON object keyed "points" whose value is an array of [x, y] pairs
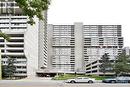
{"points": [[100, 39], [14, 24], [61, 47], [36, 46], [27, 44], [126, 50], [71, 47]]}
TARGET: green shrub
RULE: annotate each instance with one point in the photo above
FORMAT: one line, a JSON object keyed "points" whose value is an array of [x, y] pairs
{"points": [[71, 76]]}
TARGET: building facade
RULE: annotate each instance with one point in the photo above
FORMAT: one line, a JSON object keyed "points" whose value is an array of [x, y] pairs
{"points": [[126, 50], [36, 47], [72, 47], [27, 43], [61, 47], [14, 25]]}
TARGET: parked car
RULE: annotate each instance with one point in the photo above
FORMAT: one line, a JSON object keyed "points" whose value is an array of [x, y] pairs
{"points": [[81, 80], [117, 80]]}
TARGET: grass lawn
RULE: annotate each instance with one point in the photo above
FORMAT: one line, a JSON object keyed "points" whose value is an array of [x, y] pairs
{"points": [[71, 76]]}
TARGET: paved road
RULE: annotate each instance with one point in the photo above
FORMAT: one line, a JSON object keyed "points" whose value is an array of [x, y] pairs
{"points": [[51, 83]]}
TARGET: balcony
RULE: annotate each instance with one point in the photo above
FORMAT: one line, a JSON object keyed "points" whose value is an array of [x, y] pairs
{"points": [[63, 45], [15, 43], [16, 37], [21, 69], [6, 17], [4, 25], [2, 43], [21, 59], [13, 30], [20, 64], [5, 59], [4, 21], [13, 48], [21, 16], [11, 54], [20, 74], [19, 26], [19, 21], [14, 9]]}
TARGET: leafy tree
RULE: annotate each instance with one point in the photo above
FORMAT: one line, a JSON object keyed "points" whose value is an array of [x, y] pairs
{"points": [[9, 69], [122, 64], [105, 63], [5, 36], [30, 8], [33, 8], [4, 71]]}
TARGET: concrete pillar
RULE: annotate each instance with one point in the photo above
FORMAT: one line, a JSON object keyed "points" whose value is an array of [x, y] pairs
{"points": [[78, 32], [31, 49], [49, 45]]}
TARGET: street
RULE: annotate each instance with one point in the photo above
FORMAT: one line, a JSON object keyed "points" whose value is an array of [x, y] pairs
{"points": [[52, 83]]}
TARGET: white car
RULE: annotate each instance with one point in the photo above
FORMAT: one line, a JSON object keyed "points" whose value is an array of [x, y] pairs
{"points": [[81, 80]]}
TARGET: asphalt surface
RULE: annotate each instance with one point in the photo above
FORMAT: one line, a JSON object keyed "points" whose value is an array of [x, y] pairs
{"points": [[52, 83]]}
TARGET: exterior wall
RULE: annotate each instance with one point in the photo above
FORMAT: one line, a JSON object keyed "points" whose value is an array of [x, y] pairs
{"points": [[14, 49], [94, 68], [9, 7], [49, 45], [14, 24], [61, 48], [31, 49], [34, 45], [100, 39], [126, 50], [42, 43], [72, 47], [78, 47]]}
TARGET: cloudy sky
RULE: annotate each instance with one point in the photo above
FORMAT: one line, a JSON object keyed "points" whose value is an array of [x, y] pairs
{"points": [[92, 12]]}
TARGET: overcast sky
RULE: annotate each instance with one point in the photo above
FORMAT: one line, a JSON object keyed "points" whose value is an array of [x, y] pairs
{"points": [[92, 12]]}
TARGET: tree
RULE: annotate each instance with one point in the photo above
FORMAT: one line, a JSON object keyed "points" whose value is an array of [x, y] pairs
{"points": [[9, 69], [122, 64], [105, 63], [4, 71], [30, 8], [33, 8], [5, 36]]}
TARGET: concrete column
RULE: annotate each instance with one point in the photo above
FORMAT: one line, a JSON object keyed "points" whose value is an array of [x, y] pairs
{"points": [[78, 32], [49, 45], [31, 49]]}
